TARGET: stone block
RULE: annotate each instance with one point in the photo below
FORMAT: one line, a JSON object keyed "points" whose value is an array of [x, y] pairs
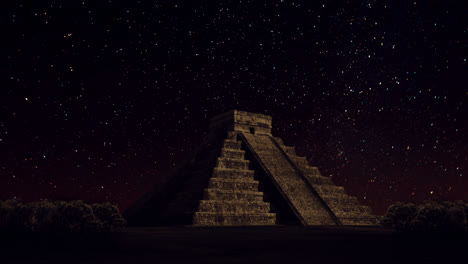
{"points": [[219, 194], [227, 184], [227, 206], [232, 164], [232, 219], [240, 174], [219, 187], [233, 154], [231, 144]]}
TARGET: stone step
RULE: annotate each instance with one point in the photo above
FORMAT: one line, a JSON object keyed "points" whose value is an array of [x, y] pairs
{"points": [[320, 212], [232, 144], [320, 219], [233, 154], [339, 210], [360, 221], [323, 217], [229, 184], [218, 194], [290, 150], [233, 174], [230, 219], [231, 135], [279, 141], [329, 189], [301, 162], [337, 201], [343, 209], [232, 164], [313, 171], [366, 209], [351, 214], [234, 206], [317, 180], [345, 206]]}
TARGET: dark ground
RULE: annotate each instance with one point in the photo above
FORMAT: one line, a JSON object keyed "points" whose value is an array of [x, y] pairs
{"points": [[280, 244]]}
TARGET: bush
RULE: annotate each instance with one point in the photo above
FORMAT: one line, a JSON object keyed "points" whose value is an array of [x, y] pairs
{"points": [[108, 214], [399, 216], [456, 217], [45, 217], [427, 217], [58, 217], [15, 216]]}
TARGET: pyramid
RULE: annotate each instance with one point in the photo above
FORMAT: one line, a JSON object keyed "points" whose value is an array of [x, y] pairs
{"points": [[242, 175]]}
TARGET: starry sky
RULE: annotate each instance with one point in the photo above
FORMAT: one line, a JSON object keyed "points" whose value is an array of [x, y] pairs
{"points": [[100, 99]]}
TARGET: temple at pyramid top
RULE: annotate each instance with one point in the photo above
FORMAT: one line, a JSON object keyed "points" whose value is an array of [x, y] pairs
{"points": [[242, 121], [243, 175]]}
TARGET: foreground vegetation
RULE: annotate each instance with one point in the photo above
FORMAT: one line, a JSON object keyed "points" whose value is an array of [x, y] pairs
{"points": [[428, 217], [79, 217], [59, 217]]}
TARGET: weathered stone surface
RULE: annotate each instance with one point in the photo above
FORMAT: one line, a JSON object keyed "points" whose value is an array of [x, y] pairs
{"points": [[240, 174], [346, 208], [233, 196], [290, 150], [291, 185], [232, 145], [325, 189], [226, 219], [236, 120], [220, 194], [216, 183], [232, 164], [318, 179], [232, 154], [236, 206], [243, 175]]}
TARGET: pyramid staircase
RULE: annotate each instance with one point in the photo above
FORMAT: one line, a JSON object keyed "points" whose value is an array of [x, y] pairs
{"points": [[227, 195], [346, 208], [242, 175], [232, 196]]}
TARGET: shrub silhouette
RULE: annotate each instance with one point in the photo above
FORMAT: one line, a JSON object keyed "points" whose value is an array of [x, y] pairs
{"points": [[59, 216], [456, 217], [76, 216], [399, 216], [15, 216], [109, 216], [427, 217], [45, 218]]}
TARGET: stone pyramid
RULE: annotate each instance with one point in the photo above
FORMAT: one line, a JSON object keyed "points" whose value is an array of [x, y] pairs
{"points": [[242, 175]]}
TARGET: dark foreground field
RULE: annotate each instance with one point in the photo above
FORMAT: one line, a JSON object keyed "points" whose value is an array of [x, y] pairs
{"points": [[281, 244]]}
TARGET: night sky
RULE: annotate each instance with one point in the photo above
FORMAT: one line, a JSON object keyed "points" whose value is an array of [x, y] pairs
{"points": [[100, 99]]}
